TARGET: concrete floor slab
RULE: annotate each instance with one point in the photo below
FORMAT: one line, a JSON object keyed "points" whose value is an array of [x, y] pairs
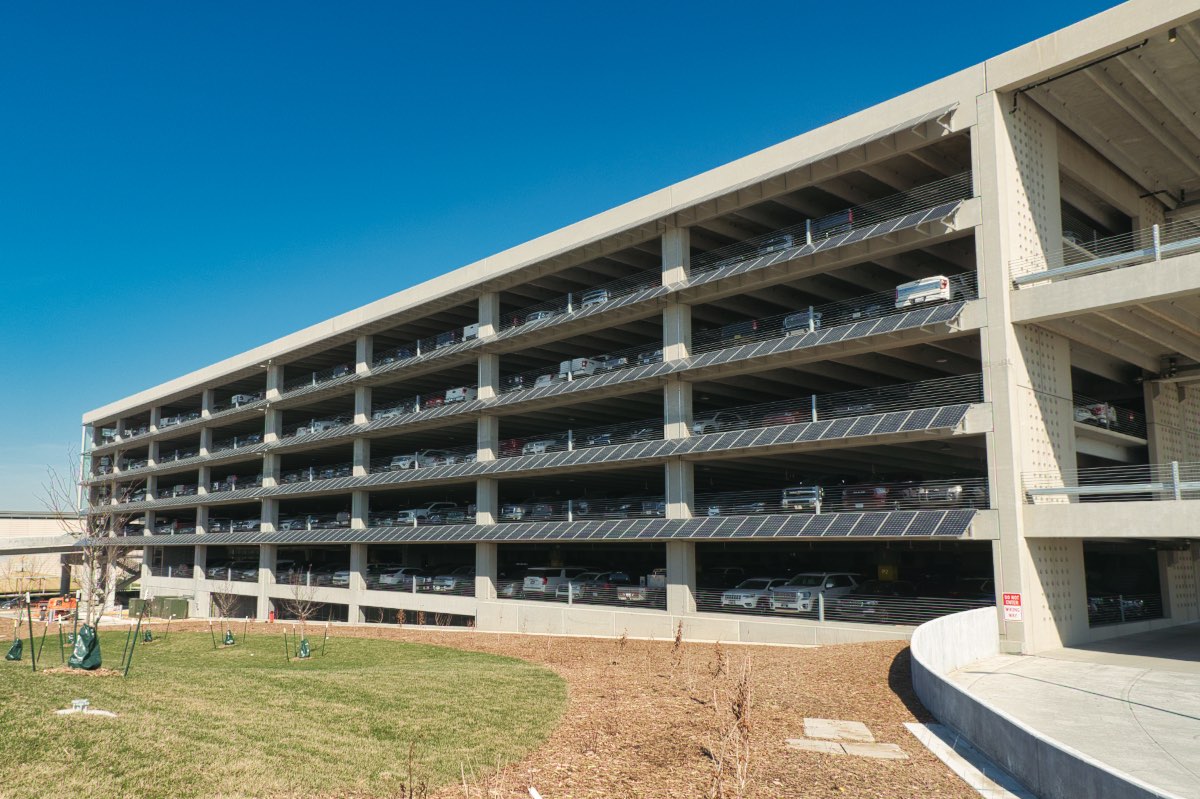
{"points": [[1132, 703]]}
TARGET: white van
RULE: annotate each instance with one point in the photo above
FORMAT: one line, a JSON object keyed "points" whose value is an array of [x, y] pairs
{"points": [[470, 332], [577, 367], [919, 292], [461, 394], [797, 324]]}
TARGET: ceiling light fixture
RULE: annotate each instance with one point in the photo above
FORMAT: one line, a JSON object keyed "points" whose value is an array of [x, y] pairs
{"points": [[1172, 35]]}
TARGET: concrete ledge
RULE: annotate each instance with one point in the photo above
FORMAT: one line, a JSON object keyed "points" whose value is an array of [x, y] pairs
{"points": [[1050, 769]]}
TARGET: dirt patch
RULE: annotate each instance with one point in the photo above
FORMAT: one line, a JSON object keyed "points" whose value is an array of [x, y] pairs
{"points": [[658, 719], [101, 672]]}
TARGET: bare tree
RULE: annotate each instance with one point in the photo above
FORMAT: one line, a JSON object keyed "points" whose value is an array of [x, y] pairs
{"points": [[88, 514], [301, 602]]}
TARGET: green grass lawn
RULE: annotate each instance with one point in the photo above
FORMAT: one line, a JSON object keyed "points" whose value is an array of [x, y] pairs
{"points": [[242, 721]]}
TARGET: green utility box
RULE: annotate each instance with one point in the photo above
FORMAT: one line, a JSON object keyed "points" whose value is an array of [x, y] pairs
{"points": [[161, 607]]}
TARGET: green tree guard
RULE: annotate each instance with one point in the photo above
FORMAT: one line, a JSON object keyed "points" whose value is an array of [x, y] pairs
{"points": [[14, 651], [86, 654], [229, 638], [303, 652], [148, 637]]}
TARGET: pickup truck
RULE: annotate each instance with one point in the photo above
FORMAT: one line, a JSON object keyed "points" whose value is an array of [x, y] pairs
{"points": [[927, 289], [653, 587], [801, 498]]}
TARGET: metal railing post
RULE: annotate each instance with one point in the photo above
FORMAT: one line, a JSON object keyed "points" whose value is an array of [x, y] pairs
{"points": [[821, 606], [570, 301], [570, 593], [812, 322], [1157, 242], [808, 232], [814, 407], [1121, 599], [417, 404], [1175, 480], [570, 439], [414, 584], [570, 511]]}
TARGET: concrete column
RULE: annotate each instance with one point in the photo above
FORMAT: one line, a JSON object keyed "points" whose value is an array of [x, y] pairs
{"points": [[1026, 369], [358, 581], [681, 577], [155, 418], [203, 479], [487, 501], [364, 353], [274, 381], [489, 314], [362, 457], [487, 446], [270, 516], [200, 587], [267, 555], [152, 454], [489, 375], [208, 398], [677, 331], [202, 519], [676, 255], [151, 486], [272, 425], [677, 408], [362, 404], [206, 440], [359, 509], [681, 488], [487, 570], [270, 470], [149, 520]]}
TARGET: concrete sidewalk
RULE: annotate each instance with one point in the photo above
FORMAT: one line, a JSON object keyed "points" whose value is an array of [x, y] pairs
{"points": [[1132, 703]]}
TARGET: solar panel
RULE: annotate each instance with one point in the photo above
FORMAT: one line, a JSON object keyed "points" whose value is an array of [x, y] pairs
{"points": [[925, 523], [949, 416], [838, 428], [919, 419], [890, 323], [865, 425], [842, 524], [869, 524], [955, 523], [896, 522]]}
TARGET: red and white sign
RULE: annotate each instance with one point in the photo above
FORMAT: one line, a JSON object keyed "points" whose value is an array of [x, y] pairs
{"points": [[1012, 607]]}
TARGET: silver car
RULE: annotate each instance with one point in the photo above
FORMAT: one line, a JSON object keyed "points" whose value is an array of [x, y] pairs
{"points": [[752, 594]]}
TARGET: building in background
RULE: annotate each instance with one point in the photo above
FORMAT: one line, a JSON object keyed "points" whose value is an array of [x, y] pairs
{"points": [[35, 551], [940, 353]]}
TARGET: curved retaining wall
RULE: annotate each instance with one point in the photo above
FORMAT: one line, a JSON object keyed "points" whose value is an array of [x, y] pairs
{"points": [[1048, 768]]}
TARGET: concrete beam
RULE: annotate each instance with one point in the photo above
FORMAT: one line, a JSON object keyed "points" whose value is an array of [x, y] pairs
{"points": [[1166, 519]]}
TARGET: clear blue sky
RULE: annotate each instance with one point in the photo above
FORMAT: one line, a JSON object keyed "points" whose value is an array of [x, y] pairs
{"points": [[180, 182]]}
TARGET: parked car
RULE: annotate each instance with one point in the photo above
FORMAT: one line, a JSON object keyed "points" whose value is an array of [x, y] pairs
{"points": [[752, 594], [446, 339], [422, 514], [461, 394], [395, 410], [404, 576], [247, 525], [800, 593], [781, 241], [721, 577], [537, 316], [652, 590], [652, 356], [244, 399], [873, 600], [606, 587], [541, 446], [717, 422], [576, 368], [925, 290], [872, 496], [422, 459], [514, 511], [546, 579], [1099, 414], [797, 324], [594, 297], [572, 587], [458, 580], [341, 370], [331, 472], [832, 225], [734, 506]]}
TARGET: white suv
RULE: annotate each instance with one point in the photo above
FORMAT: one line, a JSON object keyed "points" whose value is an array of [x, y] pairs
{"points": [[546, 579], [800, 593]]}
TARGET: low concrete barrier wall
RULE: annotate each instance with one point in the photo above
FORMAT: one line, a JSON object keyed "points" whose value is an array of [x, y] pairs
{"points": [[1050, 769]]}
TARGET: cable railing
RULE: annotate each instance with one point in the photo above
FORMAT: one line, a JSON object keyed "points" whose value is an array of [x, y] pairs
{"points": [[315, 521], [310, 474], [1098, 413], [812, 231], [571, 302], [178, 454], [235, 443], [237, 572], [237, 401], [583, 509], [426, 401], [177, 490], [819, 496], [424, 459], [1079, 256], [316, 378], [425, 346], [1155, 481], [184, 571], [610, 588], [1111, 607], [816, 317], [579, 368], [582, 438], [872, 602], [235, 483], [231, 525], [962, 389], [317, 426], [174, 420]]}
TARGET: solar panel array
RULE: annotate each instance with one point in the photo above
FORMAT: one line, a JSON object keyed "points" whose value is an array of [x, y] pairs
{"points": [[906, 222], [942, 417], [872, 524], [920, 317]]}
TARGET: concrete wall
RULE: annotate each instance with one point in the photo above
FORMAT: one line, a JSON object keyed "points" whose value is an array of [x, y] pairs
{"points": [[1050, 769]]}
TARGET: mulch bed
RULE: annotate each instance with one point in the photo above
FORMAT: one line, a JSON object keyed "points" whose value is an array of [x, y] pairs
{"points": [[645, 719]]}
